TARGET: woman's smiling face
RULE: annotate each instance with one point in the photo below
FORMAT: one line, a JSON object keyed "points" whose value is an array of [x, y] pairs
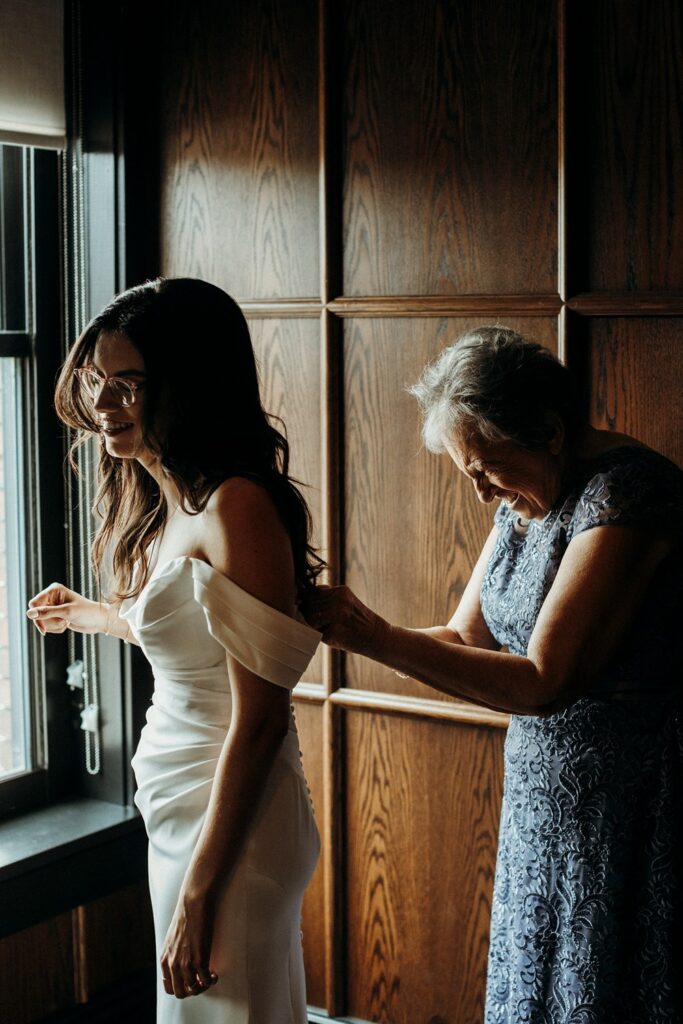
{"points": [[529, 481], [115, 355]]}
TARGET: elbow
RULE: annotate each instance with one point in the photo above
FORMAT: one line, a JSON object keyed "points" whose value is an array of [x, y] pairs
{"points": [[550, 694]]}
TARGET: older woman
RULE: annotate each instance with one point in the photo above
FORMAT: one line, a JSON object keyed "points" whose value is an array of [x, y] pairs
{"points": [[570, 623]]}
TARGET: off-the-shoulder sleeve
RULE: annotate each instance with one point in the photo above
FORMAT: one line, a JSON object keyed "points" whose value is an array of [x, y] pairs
{"points": [[640, 489], [263, 639]]}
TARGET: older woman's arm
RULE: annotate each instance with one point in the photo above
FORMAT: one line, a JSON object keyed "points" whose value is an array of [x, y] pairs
{"points": [[593, 601]]}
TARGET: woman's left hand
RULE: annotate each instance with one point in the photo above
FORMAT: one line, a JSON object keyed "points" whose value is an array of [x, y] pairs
{"points": [[344, 621], [185, 960]]}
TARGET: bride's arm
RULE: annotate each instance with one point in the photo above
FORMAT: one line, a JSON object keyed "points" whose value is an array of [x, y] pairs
{"points": [[57, 608], [245, 541]]}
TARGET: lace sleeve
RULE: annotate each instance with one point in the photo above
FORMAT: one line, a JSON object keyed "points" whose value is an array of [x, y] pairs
{"points": [[640, 489]]}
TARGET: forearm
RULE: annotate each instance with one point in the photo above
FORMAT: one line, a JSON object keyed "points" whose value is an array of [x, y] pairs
{"points": [[444, 633], [241, 775], [503, 682]]}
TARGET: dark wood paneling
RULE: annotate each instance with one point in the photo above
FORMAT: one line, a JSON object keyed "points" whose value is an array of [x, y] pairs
{"points": [[422, 807], [114, 938], [447, 195], [239, 161], [635, 372], [625, 139], [37, 971], [288, 353], [309, 724], [414, 527], [450, 166]]}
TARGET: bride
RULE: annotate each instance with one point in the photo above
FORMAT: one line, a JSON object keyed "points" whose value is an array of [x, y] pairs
{"points": [[208, 541]]}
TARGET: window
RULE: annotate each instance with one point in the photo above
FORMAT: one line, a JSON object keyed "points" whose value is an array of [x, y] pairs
{"points": [[30, 488], [17, 709], [62, 257]]}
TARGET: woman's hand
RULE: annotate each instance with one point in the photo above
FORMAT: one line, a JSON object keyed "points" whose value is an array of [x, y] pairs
{"points": [[56, 608], [185, 960], [344, 621]]}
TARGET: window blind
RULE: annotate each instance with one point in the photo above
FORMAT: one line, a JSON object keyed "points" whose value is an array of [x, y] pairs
{"points": [[32, 73]]}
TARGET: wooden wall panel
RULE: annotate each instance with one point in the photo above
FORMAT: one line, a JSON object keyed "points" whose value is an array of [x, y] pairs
{"points": [[422, 808], [625, 71], [288, 353], [60, 963], [466, 149], [114, 937], [37, 971], [635, 374], [450, 131], [239, 153], [414, 527], [309, 724]]}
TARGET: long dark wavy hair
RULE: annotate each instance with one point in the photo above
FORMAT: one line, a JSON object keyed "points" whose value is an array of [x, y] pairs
{"points": [[202, 417]]}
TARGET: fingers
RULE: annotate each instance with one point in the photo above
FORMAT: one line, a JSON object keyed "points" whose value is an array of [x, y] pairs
{"points": [[206, 978], [177, 977], [55, 593], [50, 610], [182, 979], [320, 605], [50, 618]]}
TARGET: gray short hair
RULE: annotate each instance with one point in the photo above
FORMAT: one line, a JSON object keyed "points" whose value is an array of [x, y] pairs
{"points": [[497, 385]]}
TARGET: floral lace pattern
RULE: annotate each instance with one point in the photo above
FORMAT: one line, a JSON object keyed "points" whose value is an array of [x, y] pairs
{"points": [[587, 918]]}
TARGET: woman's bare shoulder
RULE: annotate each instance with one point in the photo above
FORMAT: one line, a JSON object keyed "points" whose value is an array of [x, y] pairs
{"points": [[245, 539], [239, 493]]}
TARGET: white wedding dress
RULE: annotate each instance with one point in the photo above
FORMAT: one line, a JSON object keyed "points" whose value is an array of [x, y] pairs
{"points": [[186, 618]]}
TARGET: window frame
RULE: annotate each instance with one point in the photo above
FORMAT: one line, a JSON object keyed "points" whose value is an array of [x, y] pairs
{"points": [[39, 347], [85, 218]]}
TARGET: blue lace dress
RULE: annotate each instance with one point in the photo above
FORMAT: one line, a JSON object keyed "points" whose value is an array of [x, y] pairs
{"points": [[587, 919]]}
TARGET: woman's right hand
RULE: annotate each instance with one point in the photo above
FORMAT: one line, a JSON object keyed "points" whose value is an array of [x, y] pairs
{"points": [[56, 609], [344, 621]]}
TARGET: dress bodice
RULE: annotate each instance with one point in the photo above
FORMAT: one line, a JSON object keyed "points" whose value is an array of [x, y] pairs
{"points": [[188, 618], [189, 615]]}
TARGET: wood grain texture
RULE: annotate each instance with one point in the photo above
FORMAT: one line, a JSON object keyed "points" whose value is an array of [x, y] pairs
{"points": [[289, 358], [451, 147], [422, 809], [239, 159], [113, 937], [413, 525], [37, 971], [635, 368], [442, 140], [625, 68], [309, 724]]}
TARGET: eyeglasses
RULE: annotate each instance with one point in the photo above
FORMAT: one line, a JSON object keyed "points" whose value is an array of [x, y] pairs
{"points": [[122, 391]]}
